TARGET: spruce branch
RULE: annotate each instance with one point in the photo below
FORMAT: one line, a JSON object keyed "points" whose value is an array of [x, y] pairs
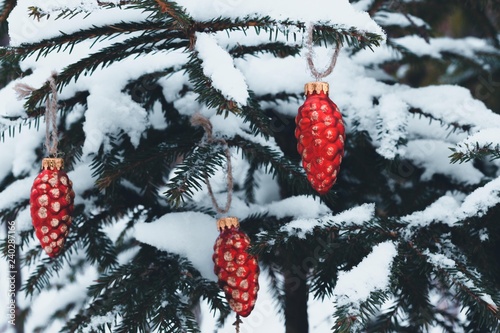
{"points": [[475, 151], [462, 281], [66, 42], [199, 164], [86, 66], [325, 32], [99, 248], [277, 49], [207, 93], [454, 126], [413, 282], [133, 288], [65, 12], [144, 159], [250, 182], [41, 276], [281, 96], [291, 174], [387, 320], [354, 317], [469, 293], [482, 60], [176, 12], [277, 288], [213, 98]]}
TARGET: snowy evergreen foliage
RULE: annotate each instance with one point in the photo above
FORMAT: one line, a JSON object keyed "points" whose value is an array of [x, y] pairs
{"points": [[406, 241]]}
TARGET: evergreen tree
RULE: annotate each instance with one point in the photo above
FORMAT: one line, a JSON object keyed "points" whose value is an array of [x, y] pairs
{"points": [[405, 241]]}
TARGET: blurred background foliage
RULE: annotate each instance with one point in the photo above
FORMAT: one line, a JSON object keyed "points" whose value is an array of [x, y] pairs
{"points": [[454, 19]]}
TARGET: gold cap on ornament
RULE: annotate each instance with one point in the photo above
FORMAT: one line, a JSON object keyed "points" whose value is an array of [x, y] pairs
{"points": [[52, 163], [227, 222], [316, 87]]}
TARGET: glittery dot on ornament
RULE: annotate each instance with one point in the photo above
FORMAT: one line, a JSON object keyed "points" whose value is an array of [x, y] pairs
{"points": [[236, 269], [51, 204], [43, 200], [244, 284], [228, 256], [321, 155], [54, 222], [56, 206], [42, 213]]}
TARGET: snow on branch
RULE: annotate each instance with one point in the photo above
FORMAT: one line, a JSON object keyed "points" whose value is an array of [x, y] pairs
{"points": [[452, 105], [339, 12], [432, 155], [15, 193], [218, 65], [371, 274], [472, 48], [24, 29], [465, 47], [461, 280], [170, 232], [483, 143], [477, 203], [300, 206], [449, 210], [442, 210], [399, 19], [353, 216], [393, 122]]}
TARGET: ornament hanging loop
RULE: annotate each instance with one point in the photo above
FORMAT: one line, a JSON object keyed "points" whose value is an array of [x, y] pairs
{"points": [[51, 133], [319, 75]]}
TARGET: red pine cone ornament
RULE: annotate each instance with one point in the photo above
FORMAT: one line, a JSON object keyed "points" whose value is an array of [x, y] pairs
{"points": [[320, 134], [237, 270], [51, 203]]}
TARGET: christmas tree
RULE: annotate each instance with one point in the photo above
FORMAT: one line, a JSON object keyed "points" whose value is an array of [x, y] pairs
{"points": [[170, 116]]}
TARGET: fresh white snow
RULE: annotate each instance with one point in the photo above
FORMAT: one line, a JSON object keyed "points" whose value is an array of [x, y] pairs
{"points": [[433, 156], [443, 262], [388, 18], [189, 234], [353, 216], [218, 66], [341, 12], [451, 209], [371, 274], [435, 47], [487, 137], [24, 29], [393, 121]]}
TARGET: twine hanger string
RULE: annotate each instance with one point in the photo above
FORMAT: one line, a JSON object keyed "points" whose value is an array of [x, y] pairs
{"points": [[51, 133], [198, 120], [24, 90], [319, 75]]}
